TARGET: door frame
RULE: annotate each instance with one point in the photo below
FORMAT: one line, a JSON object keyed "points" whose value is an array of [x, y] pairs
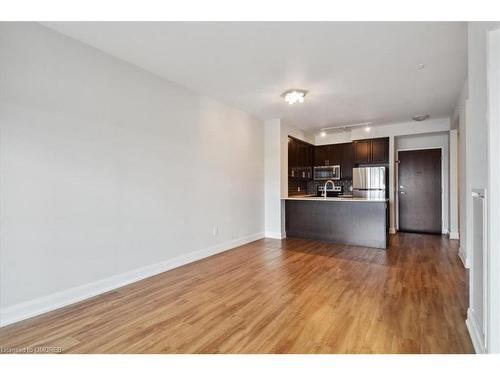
{"points": [[396, 201]]}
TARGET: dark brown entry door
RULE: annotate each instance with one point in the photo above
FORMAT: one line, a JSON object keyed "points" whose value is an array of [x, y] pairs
{"points": [[419, 191]]}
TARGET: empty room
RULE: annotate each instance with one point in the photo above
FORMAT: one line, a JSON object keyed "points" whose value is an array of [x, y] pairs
{"points": [[249, 187]]}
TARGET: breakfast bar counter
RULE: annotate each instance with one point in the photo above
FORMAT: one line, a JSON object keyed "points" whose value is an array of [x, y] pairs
{"points": [[349, 221]]}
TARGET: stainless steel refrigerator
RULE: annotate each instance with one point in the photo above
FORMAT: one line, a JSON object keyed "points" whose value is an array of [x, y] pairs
{"points": [[369, 182]]}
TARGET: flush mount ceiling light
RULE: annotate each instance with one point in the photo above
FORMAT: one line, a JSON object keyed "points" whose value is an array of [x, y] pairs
{"points": [[420, 117], [323, 134], [367, 129], [294, 96]]}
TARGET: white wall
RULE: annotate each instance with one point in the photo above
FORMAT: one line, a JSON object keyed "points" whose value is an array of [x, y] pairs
{"points": [[276, 159], [432, 140], [463, 184], [476, 111], [493, 109], [273, 179], [386, 130], [106, 168], [477, 163]]}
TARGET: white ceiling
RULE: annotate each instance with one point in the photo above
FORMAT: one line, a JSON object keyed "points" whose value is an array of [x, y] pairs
{"points": [[354, 71]]}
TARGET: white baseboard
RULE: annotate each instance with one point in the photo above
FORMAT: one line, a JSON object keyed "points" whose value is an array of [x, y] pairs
{"points": [[275, 235], [463, 257], [454, 236], [392, 230], [67, 297], [474, 332]]}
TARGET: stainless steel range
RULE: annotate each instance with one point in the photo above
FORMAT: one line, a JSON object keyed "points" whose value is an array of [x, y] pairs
{"points": [[331, 191]]}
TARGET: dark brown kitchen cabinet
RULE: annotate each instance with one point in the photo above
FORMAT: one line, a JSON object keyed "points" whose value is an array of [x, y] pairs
{"points": [[362, 151], [308, 160], [321, 156], [300, 159], [292, 156], [334, 154], [326, 155], [380, 150], [346, 160], [371, 151]]}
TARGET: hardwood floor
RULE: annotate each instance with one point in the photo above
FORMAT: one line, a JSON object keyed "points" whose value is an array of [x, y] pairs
{"points": [[271, 296]]}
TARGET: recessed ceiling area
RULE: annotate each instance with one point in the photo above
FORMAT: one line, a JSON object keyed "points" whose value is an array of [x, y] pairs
{"points": [[353, 72]]}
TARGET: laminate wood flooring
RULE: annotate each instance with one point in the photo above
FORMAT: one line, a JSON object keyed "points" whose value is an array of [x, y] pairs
{"points": [[272, 296]]}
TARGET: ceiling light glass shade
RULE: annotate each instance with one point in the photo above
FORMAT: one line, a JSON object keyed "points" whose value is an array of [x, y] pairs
{"points": [[294, 96]]}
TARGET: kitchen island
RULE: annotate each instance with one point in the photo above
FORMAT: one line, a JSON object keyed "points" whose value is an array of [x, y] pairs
{"points": [[349, 221]]}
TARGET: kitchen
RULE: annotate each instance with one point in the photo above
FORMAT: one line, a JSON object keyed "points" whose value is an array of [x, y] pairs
{"points": [[337, 191]]}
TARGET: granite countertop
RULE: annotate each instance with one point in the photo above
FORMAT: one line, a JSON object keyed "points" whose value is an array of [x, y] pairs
{"points": [[330, 199]]}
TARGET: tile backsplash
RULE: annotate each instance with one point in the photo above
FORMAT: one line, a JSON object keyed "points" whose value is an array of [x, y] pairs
{"points": [[297, 186], [312, 186], [300, 187]]}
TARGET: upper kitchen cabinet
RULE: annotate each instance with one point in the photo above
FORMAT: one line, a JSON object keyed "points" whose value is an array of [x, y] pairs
{"points": [[326, 155], [300, 159], [371, 151], [336, 154], [362, 151], [346, 160], [322, 156], [292, 156], [380, 150]]}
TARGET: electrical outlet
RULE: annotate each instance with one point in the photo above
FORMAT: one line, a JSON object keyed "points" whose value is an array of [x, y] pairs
{"points": [[215, 230]]}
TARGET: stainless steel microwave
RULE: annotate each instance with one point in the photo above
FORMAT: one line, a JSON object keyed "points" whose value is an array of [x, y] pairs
{"points": [[331, 172]]}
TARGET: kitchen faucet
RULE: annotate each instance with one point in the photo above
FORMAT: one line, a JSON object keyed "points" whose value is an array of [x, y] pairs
{"points": [[324, 189]]}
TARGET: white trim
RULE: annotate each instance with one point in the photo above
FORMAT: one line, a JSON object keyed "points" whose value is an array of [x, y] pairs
{"points": [[275, 235], [463, 258], [396, 190], [392, 207], [453, 188], [454, 236], [67, 297], [474, 332], [480, 332]]}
